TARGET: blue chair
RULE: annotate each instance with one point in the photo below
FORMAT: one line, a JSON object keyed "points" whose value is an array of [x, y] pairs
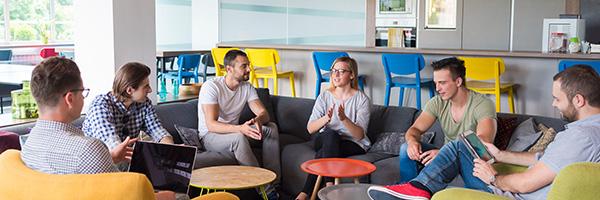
{"points": [[563, 64], [187, 68], [5, 55], [322, 63], [207, 61], [405, 64]]}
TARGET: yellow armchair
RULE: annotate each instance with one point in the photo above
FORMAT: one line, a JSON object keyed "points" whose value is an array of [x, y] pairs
{"points": [[20, 182]]}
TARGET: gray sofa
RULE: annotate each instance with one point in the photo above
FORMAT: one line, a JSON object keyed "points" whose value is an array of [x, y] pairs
{"points": [[291, 115]]}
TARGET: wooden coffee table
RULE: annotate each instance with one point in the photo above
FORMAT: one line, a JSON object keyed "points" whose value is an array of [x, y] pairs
{"points": [[231, 177], [336, 168]]}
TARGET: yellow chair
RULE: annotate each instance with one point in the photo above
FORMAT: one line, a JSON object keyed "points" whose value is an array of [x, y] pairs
{"points": [[218, 55], [480, 71], [263, 63], [20, 182]]}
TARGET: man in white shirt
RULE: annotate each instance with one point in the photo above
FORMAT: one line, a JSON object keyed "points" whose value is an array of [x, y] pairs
{"points": [[220, 104]]}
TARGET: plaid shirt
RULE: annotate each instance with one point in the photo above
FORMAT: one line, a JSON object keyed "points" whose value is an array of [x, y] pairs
{"points": [[108, 120], [59, 148]]}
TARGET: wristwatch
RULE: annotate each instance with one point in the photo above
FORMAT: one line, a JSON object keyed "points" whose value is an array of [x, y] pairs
{"points": [[493, 180]]}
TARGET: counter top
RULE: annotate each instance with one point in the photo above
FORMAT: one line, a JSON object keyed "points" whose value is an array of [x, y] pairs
{"points": [[415, 50]]}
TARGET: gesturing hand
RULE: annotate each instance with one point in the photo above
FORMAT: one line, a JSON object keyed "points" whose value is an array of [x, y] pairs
{"points": [[329, 114], [341, 113], [249, 131], [123, 151], [257, 124]]}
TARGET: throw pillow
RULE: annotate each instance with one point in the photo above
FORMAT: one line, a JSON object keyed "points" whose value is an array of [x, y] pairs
{"points": [[525, 136], [9, 140], [390, 142], [190, 137], [506, 127], [548, 135]]}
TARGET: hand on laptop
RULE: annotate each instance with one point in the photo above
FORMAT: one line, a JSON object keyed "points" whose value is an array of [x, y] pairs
{"points": [[123, 151]]}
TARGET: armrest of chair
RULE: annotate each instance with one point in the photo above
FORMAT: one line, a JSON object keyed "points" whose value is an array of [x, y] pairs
{"points": [[576, 181], [465, 194]]}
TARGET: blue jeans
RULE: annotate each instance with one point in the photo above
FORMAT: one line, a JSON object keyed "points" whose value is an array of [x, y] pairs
{"points": [[409, 169], [453, 159]]}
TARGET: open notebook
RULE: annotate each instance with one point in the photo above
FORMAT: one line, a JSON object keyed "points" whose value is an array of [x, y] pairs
{"points": [[168, 166]]}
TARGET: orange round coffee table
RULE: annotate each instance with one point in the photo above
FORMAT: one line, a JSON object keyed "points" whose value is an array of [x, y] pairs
{"points": [[336, 168]]}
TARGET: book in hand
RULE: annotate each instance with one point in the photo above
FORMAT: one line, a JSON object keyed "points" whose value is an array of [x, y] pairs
{"points": [[475, 146]]}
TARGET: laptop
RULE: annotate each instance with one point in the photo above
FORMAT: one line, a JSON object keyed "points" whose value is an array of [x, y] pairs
{"points": [[167, 166]]}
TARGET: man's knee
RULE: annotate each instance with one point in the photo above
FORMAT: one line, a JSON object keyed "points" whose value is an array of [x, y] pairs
{"points": [[270, 130]]}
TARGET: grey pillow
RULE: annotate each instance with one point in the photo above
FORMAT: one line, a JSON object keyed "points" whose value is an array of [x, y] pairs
{"points": [[390, 142], [190, 137], [524, 137]]}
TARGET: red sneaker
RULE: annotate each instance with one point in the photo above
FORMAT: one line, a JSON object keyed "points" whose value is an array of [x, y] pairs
{"points": [[402, 191]]}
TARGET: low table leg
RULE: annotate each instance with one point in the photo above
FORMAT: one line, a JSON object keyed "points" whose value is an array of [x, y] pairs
{"points": [[356, 180], [263, 192], [313, 196], [336, 181]]}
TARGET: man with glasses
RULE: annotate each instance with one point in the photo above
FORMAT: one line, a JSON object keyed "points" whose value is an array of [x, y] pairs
{"points": [[126, 111], [54, 144]]}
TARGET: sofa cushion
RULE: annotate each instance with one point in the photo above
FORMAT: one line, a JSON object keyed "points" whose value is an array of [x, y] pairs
{"points": [[181, 113], [190, 137], [548, 135], [525, 136], [389, 119], [9, 140], [390, 142], [265, 99], [506, 127], [292, 115]]}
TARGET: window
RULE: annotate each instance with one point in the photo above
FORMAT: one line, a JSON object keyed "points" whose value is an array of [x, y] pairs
{"points": [[440, 14], [36, 21]]}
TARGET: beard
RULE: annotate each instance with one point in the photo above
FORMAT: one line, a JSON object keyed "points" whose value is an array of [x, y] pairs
{"points": [[569, 114]]}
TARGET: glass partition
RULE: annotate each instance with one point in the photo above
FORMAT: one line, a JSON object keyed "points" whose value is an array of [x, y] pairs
{"points": [[298, 22]]}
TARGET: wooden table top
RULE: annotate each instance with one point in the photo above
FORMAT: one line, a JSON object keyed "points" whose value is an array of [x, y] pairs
{"points": [[338, 167], [231, 177]]}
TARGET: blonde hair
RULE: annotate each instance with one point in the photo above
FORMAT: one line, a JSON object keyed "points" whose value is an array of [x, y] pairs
{"points": [[353, 69]]}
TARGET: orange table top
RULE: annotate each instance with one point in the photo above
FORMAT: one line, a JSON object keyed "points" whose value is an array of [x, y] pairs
{"points": [[338, 167]]}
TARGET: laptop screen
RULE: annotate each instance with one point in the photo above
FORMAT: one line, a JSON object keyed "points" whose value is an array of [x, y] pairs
{"points": [[169, 167]]}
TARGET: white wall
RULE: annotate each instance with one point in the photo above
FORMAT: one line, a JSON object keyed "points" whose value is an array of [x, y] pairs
{"points": [[109, 34], [205, 24], [174, 24]]}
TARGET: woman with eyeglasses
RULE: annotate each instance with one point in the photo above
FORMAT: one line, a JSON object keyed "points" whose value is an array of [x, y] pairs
{"points": [[121, 114], [340, 118]]}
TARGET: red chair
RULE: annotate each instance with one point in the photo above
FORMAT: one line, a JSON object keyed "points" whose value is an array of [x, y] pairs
{"points": [[48, 52]]}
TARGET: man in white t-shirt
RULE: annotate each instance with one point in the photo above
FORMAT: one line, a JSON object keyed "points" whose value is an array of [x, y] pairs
{"points": [[220, 104]]}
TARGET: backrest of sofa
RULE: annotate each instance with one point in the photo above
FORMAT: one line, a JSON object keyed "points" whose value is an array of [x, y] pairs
{"points": [[183, 114], [292, 115], [389, 119], [20, 182], [25, 128]]}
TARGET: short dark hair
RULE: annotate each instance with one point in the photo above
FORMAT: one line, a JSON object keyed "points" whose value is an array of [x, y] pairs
{"points": [[454, 65], [231, 55], [129, 75], [580, 79], [53, 78]]}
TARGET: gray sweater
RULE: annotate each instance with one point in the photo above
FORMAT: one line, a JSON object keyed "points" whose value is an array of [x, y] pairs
{"points": [[357, 109]]}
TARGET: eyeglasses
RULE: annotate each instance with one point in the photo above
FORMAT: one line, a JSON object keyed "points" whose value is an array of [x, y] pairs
{"points": [[84, 91], [340, 71]]}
